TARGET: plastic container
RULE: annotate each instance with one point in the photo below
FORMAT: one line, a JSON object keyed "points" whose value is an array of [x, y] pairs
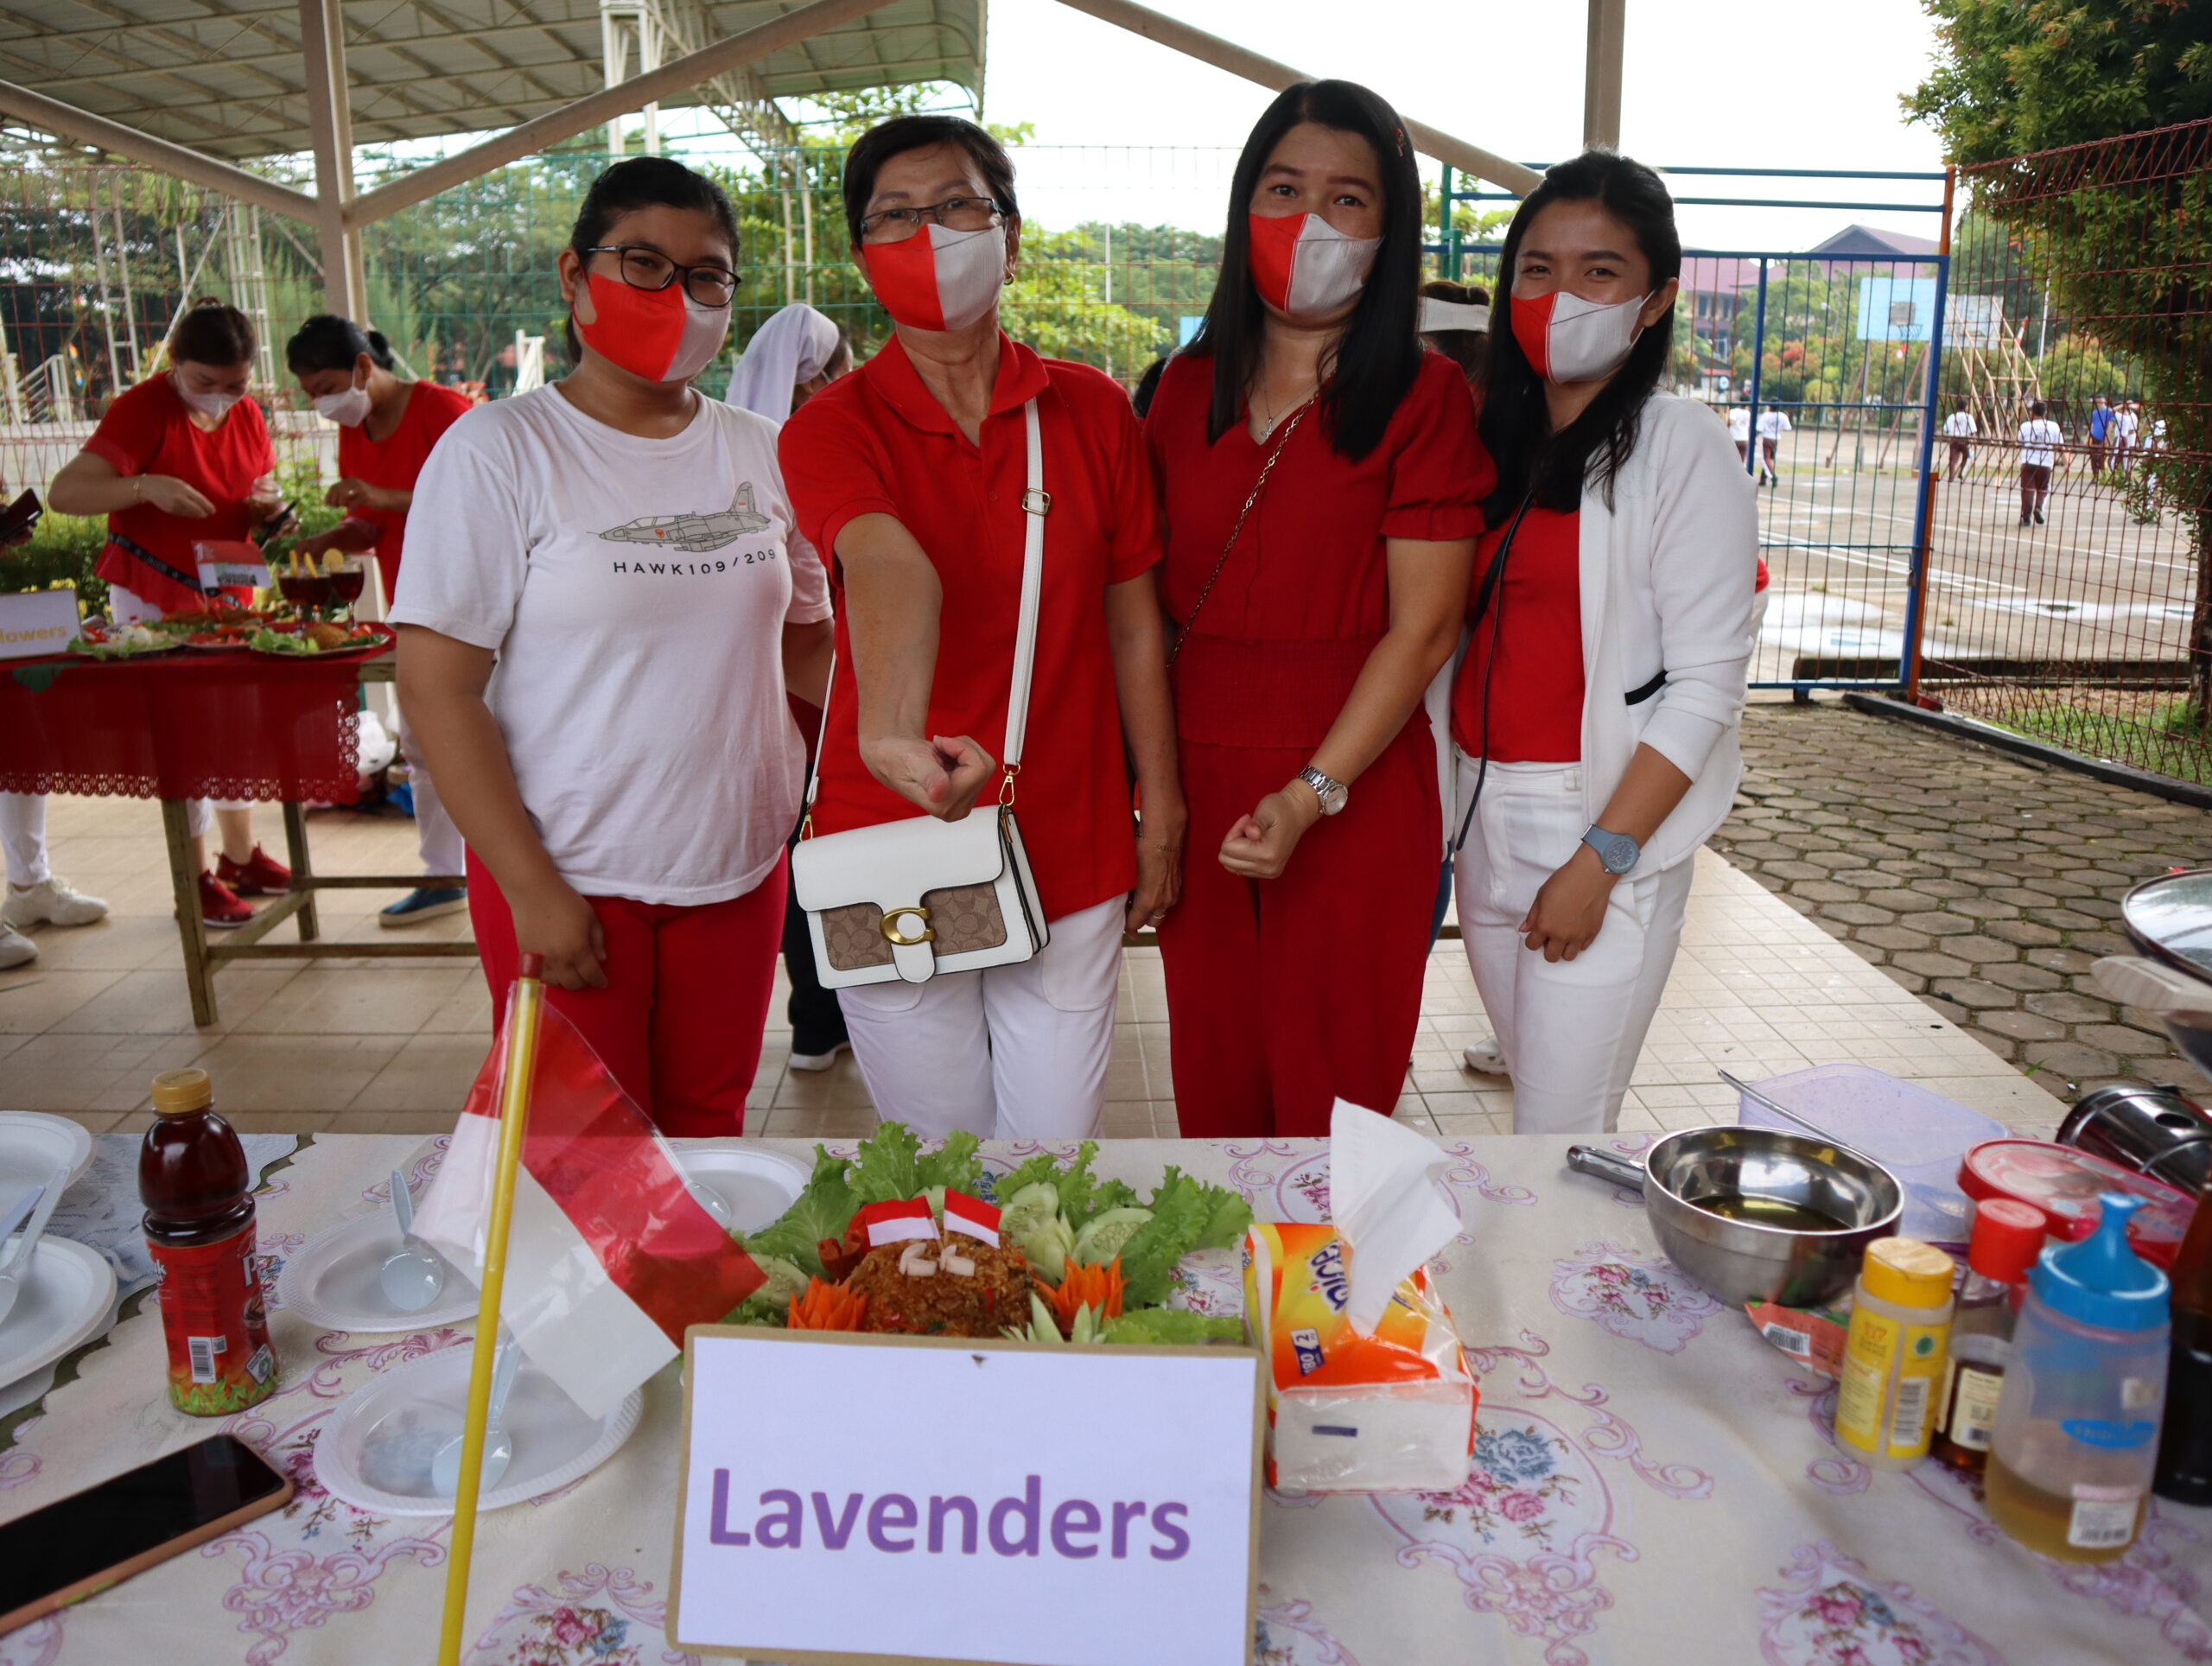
{"points": [[2184, 1471], [2065, 1184], [2077, 1426], [1917, 1135], [1893, 1358], [2007, 1238], [193, 1179]]}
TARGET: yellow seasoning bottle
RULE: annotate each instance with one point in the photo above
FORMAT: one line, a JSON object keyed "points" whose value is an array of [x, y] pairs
{"points": [[1893, 1357]]}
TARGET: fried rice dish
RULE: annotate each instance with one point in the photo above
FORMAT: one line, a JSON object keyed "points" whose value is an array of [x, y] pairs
{"points": [[970, 1288]]}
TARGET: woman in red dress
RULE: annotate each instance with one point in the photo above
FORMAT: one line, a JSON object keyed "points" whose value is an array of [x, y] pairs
{"points": [[1321, 482], [180, 458], [386, 427]]}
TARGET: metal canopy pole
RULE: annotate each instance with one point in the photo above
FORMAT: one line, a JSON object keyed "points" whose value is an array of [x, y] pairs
{"points": [[597, 108], [1601, 75], [1226, 55], [322, 49]]}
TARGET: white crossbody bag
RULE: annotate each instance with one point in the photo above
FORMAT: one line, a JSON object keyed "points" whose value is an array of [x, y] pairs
{"points": [[910, 899]]}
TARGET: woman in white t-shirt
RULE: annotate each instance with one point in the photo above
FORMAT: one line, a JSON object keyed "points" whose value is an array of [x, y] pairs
{"points": [[604, 601]]}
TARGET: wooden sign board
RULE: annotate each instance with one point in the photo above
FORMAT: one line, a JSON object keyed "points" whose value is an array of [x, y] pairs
{"points": [[37, 622], [849, 1499]]}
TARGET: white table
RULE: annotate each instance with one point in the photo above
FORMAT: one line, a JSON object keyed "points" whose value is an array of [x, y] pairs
{"points": [[1654, 1484]]}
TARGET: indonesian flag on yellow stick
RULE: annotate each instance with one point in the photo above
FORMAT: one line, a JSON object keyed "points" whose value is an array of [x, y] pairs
{"points": [[609, 1255]]}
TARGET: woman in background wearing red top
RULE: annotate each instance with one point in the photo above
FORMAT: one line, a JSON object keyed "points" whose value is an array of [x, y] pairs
{"points": [[912, 470], [180, 458], [1316, 601], [1597, 706], [385, 430]]}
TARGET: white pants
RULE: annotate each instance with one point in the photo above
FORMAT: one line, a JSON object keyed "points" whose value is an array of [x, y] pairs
{"points": [[22, 836], [1569, 1030], [1014, 1053], [126, 608], [435, 837]]}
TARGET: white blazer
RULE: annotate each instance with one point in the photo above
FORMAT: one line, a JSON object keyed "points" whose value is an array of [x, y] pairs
{"points": [[1668, 574]]}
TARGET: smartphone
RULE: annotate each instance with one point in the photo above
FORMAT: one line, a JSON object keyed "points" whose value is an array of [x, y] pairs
{"points": [[284, 521], [20, 517], [82, 1545]]}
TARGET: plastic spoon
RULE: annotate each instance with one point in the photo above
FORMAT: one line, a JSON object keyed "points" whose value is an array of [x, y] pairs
{"points": [[13, 1263], [499, 1444], [709, 1201], [412, 1277]]}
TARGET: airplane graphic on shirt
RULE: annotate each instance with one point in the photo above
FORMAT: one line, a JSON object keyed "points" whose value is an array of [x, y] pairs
{"points": [[696, 533]]}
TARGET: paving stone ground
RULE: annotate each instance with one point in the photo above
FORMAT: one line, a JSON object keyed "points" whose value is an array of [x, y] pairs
{"points": [[1985, 883]]}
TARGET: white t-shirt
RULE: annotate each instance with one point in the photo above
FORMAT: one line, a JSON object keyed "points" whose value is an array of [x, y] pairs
{"points": [[1739, 425], [1959, 425], [2037, 436], [635, 591], [1773, 424], [2128, 423]]}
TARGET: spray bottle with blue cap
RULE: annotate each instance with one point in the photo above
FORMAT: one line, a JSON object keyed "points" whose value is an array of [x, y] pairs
{"points": [[2077, 1428]]}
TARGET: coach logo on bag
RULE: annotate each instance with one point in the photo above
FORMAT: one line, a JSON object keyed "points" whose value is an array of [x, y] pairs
{"points": [[900, 936]]}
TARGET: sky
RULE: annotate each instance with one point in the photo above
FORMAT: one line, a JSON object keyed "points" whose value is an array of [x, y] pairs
{"points": [[1789, 84]]}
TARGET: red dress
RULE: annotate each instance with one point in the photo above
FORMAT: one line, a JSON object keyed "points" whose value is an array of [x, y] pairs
{"points": [[149, 430], [395, 462], [1535, 690], [1284, 994]]}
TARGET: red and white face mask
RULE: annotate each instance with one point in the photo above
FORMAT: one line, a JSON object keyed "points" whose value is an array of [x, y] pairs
{"points": [[1306, 267], [937, 279], [1570, 339], [663, 335]]}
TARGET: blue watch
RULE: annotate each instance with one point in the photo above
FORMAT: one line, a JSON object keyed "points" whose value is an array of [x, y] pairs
{"points": [[1617, 851]]}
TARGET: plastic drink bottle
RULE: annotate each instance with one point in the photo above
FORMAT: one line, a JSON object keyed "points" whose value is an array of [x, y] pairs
{"points": [[2077, 1423], [2007, 1238], [1893, 1358], [2185, 1472], [198, 1191]]}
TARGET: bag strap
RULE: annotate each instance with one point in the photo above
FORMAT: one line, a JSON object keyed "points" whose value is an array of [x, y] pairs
{"points": [[1183, 632], [1490, 589], [1036, 504]]}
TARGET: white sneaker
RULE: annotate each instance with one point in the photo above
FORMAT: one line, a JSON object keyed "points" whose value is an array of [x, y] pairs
{"points": [[52, 902], [16, 949], [819, 1061], [1485, 1057]]}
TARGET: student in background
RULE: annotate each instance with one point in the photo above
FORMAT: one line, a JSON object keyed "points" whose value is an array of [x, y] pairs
{"points": [[1454, 319], [2100, 415], [2126, 427], [386, 426], [2040, 439], [1739, 430], [1959, 431], [1774, 422]]}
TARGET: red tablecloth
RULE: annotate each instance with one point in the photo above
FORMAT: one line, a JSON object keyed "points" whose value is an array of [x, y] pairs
{"points": [[186, 725]]}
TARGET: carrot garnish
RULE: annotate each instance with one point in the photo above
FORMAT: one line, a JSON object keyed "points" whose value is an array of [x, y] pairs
{"points": [[1087, 1285], [826, 1307]]}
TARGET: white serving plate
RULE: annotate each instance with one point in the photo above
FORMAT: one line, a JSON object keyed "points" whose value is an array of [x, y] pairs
{"points": [[756, 1184], [66, 1298], [376, 1451], [33, 1145], [331, 1281]]}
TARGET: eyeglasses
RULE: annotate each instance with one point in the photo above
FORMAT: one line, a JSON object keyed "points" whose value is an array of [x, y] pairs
{"points": [[953, 214], [649, 268]]}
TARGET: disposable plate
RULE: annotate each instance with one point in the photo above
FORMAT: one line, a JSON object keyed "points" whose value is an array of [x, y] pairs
{"points": [[331, 1281], [66, 1298], [757, 1186], [376, 1452], [33, 1145]]}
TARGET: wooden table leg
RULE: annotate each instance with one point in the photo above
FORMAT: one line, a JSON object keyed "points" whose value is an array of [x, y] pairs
{"points": [[184, 879], [302, 865]]}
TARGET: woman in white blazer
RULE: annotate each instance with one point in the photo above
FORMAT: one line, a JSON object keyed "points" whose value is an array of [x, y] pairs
{"points": [[1595, 712]]}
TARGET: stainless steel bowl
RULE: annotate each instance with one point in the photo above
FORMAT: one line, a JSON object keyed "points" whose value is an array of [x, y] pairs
{"points": [[1758, 1214]]}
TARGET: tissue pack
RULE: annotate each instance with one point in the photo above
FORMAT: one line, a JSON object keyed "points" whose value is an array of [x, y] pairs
{"points": [[1348, 1411]]}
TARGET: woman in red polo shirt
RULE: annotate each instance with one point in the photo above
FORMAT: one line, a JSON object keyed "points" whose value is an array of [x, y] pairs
{"points": [[913, 471], [385, 430], [178, 459], [1596, 709], [1321, 482]]}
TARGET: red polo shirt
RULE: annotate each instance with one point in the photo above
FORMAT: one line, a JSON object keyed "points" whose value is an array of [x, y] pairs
{"points": [[395, 462], [878, 442]]}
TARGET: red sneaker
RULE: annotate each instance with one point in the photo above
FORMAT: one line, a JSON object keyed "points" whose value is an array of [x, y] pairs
{"points": [[219, 905], [259, 875]]}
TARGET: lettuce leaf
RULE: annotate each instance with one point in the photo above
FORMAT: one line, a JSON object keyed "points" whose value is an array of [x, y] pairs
{"points": [[888, 1166], [823, 1209], [1171, 1325], [770, 1303], [1081, 1194], [954, 1164], [1187, 1214]]}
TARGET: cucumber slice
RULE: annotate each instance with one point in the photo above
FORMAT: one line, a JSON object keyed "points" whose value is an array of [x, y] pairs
{"points": [[1101, 1238]]}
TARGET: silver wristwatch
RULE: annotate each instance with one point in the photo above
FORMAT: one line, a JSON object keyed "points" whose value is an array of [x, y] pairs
{"points": [[1333, 794], [1617, 851]]}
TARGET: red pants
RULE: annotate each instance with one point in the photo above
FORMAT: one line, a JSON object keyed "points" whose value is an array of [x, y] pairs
{"points": [[1284, 993], [680, 1020]]}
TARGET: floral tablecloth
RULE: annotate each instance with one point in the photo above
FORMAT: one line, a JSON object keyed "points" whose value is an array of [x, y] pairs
{"points": [[1652, 1484]]}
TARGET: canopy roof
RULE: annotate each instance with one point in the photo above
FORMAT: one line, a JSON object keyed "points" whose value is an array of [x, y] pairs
{"points": [[228, 77]]}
